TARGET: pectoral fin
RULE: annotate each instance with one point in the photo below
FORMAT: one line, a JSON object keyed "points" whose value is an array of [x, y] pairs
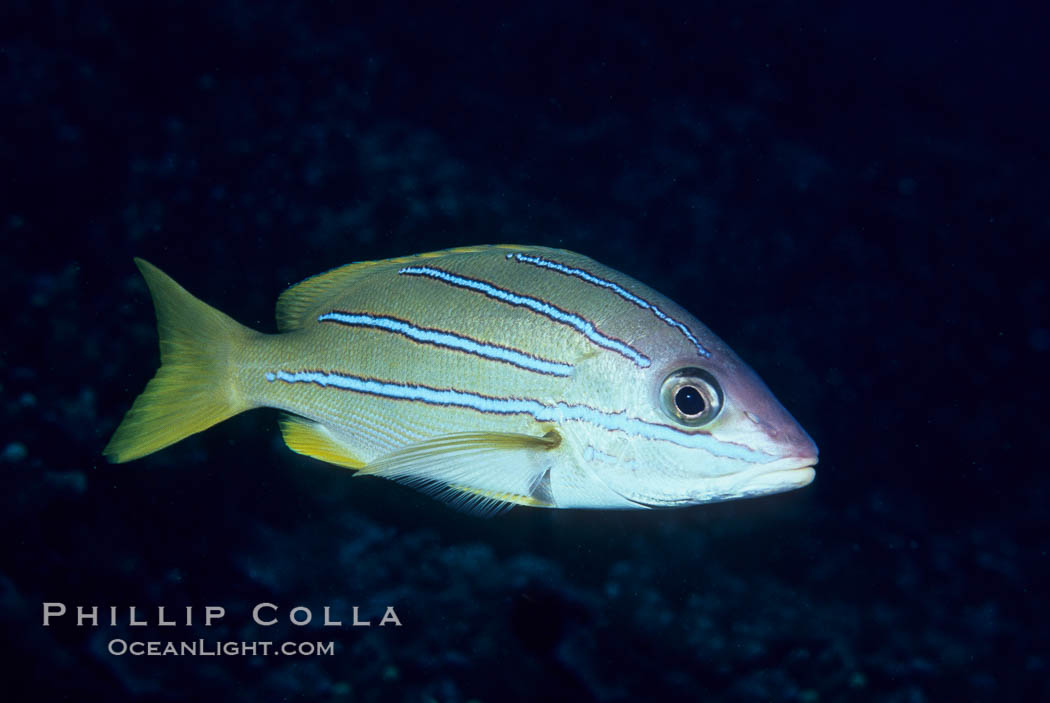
{"points": [[482, 473]]}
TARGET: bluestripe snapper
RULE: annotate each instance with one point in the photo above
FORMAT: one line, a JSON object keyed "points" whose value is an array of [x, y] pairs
{"points": [[488, 376]]}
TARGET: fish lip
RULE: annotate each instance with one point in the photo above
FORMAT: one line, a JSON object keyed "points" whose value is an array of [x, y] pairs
{"points": [[788, 474], [785, 474], [788, 463], [791, 478]]}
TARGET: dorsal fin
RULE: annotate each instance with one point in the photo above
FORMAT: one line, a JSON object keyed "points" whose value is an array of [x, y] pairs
{"points": [[296, 305]]}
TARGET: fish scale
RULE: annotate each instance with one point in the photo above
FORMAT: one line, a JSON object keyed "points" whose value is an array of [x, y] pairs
{"points": [[488, 376]]}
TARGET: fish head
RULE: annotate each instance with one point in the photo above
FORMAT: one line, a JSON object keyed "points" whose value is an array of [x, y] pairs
{"points": [[698, 429]]}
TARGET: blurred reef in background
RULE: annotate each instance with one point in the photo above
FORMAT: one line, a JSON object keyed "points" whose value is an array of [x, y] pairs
{"points": [[854, 198]]}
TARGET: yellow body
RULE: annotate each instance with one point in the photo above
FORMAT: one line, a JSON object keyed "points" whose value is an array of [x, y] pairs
{"points": [[491, 375]]}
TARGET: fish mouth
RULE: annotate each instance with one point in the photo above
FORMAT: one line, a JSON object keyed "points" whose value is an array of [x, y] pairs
{"points": [[779, 476], [778, 480], [785, 474]]}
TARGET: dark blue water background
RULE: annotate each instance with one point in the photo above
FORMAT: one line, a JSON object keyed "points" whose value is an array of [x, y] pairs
{"points": [[854, 197]]}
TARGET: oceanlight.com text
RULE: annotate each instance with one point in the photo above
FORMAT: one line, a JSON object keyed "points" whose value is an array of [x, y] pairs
{"points": [[205, 648]]}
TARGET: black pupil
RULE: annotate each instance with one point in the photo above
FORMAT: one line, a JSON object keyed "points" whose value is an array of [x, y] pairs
{"points": [[689, 401]]}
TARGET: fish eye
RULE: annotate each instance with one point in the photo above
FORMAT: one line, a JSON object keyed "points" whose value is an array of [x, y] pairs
{"points": [[691, 396]]}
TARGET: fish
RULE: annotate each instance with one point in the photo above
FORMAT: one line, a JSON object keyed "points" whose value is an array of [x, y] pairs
{"points": [[486, 376]]}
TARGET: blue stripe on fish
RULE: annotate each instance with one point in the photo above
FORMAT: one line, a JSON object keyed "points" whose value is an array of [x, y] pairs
{"points": [[552, 312], [541, 412], [615, 288], [441, 338]]}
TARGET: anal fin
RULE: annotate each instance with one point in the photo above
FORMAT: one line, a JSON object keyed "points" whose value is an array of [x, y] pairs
{"points": [[313, 439]]}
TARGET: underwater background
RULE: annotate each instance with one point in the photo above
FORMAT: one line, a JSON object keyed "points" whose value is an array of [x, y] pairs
{"points": [[856, 197]]}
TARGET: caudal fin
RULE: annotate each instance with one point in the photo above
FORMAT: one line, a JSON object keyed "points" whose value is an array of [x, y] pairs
{"points": [[193, 388]]}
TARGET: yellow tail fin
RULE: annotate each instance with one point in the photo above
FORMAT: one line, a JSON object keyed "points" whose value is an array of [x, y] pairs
{"points": [[193, 388]]}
